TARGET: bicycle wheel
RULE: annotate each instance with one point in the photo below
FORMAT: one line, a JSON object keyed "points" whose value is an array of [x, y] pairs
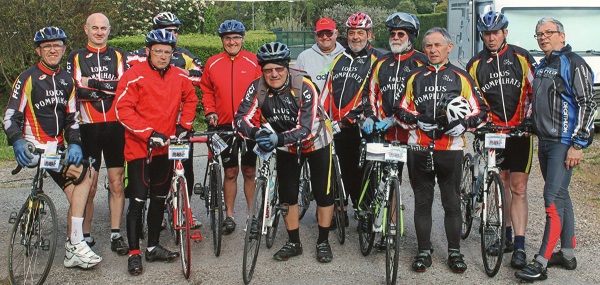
{"points": [[170, 224], [33, 241], [494, 230], [338, 208], [304, 190], [366, 236], [144, 230], [184, 219], [392, 233], [216, 209], [466, 201], [274, 211], [253, 231]]}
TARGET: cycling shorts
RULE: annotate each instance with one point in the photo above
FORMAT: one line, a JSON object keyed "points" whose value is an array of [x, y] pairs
{"points": [[107, 138], [517, 154], [230, 156]]}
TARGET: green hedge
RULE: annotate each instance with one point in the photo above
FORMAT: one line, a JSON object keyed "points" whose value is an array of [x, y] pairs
{"points": [[427, 21]]}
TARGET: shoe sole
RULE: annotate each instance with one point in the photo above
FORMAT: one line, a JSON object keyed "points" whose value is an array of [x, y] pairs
{"points": [[324, 260], [136, 272], [169, 260], [120, 252], [529, 278], [82, 265]]}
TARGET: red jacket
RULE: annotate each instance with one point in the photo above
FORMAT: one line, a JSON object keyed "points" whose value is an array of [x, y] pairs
{"points": [[224, 83], [147, 102]]}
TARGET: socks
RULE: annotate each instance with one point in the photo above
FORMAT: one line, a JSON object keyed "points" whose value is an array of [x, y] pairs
{"points": [[323, 235], [134, 252], [542, 260], [76, 235], [294, 235], [509, 234], [115, 233], [568, 253], [519, 242]]}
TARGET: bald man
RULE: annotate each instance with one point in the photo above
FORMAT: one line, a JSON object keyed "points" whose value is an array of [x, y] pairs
{"points": [[96, 70]]}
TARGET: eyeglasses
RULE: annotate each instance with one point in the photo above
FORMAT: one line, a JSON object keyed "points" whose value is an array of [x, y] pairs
{"points": [[48, 47], [320, 34], [545, 34], [267, 71], [399, 34], [165, 52], [233, 38], [174, 30]]}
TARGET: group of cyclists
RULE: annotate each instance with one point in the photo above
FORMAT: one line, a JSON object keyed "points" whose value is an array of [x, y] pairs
{"points": [[113, 104]]}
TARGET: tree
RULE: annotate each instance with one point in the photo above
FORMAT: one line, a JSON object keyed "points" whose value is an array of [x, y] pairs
{"points": [[407, 6]]}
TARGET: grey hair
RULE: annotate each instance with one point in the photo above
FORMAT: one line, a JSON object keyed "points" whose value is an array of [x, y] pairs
{"points": [[442, 31], [559, 26]]}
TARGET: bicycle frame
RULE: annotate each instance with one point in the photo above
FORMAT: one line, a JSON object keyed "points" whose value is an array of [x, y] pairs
{"points": [[264, 174]]}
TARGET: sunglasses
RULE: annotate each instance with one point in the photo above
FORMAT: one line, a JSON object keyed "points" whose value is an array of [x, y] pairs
{"points": [[399, 34], [320, 34], [174, 31], [270, 70]]}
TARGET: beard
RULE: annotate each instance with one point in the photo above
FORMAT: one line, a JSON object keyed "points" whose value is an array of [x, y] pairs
{"points": [[357, 49], [403, 47]]}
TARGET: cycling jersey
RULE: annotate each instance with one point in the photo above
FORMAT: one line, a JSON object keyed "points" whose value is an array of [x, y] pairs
{"points": [[289, 120], [41, 107], [387, 86], [504, 79], [563, 105], [103, 66], [224, 83], [143, 106], [181, 58], [425, 86], [346, 82]]}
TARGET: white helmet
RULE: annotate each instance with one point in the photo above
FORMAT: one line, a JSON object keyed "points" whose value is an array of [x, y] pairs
{"points": [[453, 107]]}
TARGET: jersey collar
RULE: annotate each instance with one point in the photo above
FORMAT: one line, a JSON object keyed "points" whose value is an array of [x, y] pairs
{"points": [[98, 50]]}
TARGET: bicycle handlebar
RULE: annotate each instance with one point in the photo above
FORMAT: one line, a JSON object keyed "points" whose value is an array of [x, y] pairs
{"points": [[517, 131]]}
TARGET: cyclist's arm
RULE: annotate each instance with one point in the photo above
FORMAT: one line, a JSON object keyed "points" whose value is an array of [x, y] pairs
{"points": [[208, 91], [247, 113], [371, 94], [582, 86], [406, 112], [307, 117], [71, 121], [189, 100], [479, 109], [17, 102], [127, 100]]}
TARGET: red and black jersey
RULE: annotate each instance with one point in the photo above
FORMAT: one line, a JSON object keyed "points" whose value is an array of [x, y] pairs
{"points": [[42, 108], [103, 67]]}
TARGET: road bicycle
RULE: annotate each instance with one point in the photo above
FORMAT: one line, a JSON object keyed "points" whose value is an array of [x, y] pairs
{"points": [[35, 228], [339, 194], [305, 196], [211, 191], [482, 193]]}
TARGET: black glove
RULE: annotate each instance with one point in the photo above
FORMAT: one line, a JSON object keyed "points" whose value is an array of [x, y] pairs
{"points": [[426, 123], [527, 125], [158, 139], [456, 128], [180, 132]]}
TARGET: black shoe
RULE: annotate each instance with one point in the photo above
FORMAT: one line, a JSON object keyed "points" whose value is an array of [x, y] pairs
{"points": [[228, 226], [456, 262], [324, 254], [91, 242], [134, 264], [290, 249], [119, 246], [519, 259], [557, 259], [422, 261], [532, 272], [509, 246], [160, 253]]}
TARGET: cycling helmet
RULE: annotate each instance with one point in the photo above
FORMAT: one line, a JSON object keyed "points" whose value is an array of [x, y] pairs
{"points": [[231, 27], [359, 21], [160, 37], [49, 34], [492, 21], [165, 19], [403, 21], [273, 52], [450, 108]]}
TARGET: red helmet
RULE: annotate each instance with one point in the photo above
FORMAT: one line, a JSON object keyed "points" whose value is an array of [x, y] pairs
{"points": [[359, 21]]}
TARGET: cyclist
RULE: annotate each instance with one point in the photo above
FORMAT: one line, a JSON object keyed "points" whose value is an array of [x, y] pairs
{"points": [[427, 86], [317, 59], [155, 101], [292, 117], [503, 73], [96, 70], [561, 76], [42, 114], [342, 98], [225, 79]]}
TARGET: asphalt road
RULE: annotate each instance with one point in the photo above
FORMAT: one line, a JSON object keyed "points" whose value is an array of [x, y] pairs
{"points": [[348, 266]]}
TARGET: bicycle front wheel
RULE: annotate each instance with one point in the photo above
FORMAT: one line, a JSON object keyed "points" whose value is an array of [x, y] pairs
{"points": [[466, 201], [33, 241], [366, 236], [253, 231], [338, 210], [394, 218], [493, 235], [273, 216], [184, 218], [216, 208], [305, 190]]}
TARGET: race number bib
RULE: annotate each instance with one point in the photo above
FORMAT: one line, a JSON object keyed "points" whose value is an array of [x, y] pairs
{"points": [[50, 159], [495, 141], [218, 144], [396, 153], [179, 151]]}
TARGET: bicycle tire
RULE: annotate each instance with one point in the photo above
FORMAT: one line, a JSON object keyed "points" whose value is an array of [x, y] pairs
{"points": [[494, 229], [170, 224], [338, 210], [216, 210], [305, 190], [22, 252], [184, 218], [366, 236], [466, 199], [252, 239], [272, 230], [392, 239], [144, 230]]}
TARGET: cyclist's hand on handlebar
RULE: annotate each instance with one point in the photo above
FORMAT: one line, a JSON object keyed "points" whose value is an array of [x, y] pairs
{"points": [[385, 124], [526, 126], [74, 154], [23, 151], [367, 126], [180, 132], [262, 133], [212, 119], [426, 123], [158, 139], [456, 128], [267, 143]]}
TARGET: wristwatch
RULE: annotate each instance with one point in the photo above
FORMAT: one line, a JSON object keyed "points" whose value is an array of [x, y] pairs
{"points": [[577, 146]]}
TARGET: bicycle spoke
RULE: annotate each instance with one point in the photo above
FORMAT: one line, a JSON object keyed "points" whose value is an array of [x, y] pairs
{"points": [[365, 228], [184, 219], [253, 231], [493, 234], [392, 232], [466, 184]]}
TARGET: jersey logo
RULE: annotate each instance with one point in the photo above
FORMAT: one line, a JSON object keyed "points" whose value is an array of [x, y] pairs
{"points": [[393, 63], [507, 62], [89, 55], [62, 82], [42, 77], [427, 73], [106, 58], [489, 60], [447, 78]]}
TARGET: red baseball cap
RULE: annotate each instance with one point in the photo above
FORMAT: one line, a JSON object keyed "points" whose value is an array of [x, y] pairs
{"points": [[325, 24]]}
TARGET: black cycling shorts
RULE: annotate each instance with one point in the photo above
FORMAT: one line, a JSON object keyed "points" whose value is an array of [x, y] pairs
{"points": [[230, 156], [517, 154], [107, 138]]}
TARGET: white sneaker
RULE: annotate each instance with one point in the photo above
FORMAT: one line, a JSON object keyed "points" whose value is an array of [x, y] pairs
{"points": [[80, 255]]}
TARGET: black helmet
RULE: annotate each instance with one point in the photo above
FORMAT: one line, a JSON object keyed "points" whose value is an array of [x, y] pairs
{"points": [[49, 34], [492, 21], [165, 19], [451, 107], [403, 21], [231, 27], [160, 37], [273, 52]]}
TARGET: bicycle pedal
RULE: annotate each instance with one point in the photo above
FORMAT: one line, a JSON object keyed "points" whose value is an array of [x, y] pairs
{"points": [[12, 218], [196, 236], [45, 245]]}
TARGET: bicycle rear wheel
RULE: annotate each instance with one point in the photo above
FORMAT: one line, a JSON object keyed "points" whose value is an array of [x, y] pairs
{"points": [[366, 236], [466, 201], [33, 241], [392, 232], [216, 208], [338, 208], [274, 211], [170, 224], [184, 219], [493, 235], [305, 190], [253, 231]]}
